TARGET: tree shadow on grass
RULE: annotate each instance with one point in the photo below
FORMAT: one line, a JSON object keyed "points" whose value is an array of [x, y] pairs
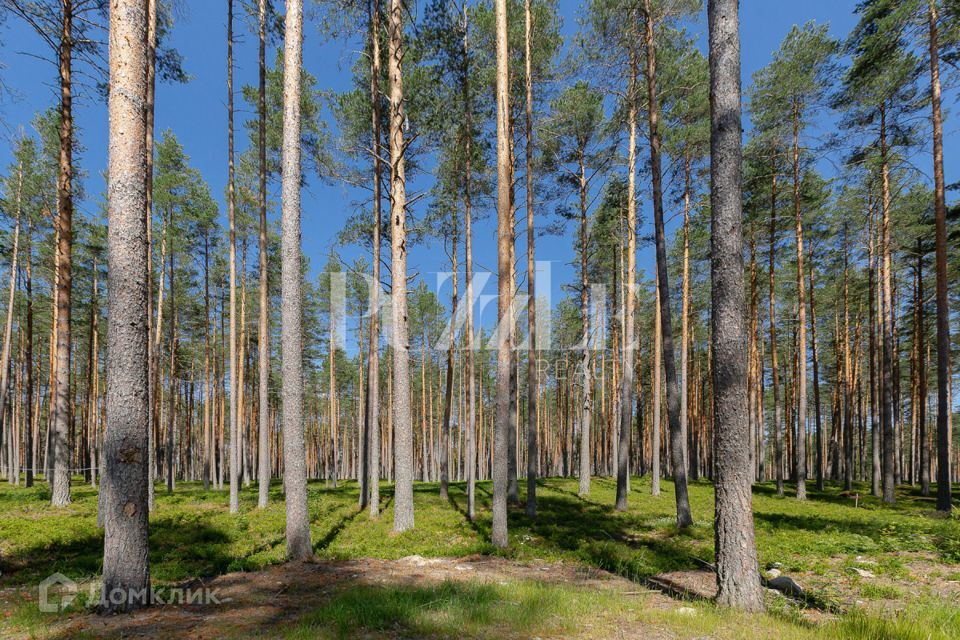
{"points": [[348, 607]]}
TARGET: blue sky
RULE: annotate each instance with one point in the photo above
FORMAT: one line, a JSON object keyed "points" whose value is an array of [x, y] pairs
{"points": [[196, 112]]}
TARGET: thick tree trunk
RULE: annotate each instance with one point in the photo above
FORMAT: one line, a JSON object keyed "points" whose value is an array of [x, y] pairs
{"points": [[400, 407], [125, 547], [737, 570], [62, 418], [677, 437], [504, 293], [291, 292], [944, 407]]}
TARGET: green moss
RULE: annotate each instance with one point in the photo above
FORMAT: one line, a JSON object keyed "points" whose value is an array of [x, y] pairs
{"points": [[192, 534]]}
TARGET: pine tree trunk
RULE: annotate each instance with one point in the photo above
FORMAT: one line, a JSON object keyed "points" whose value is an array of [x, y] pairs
{"points": [[920, 408], [677, 437], [372, 422], [471, 436], [887, 318], [504, 293], [776, 427], [799, 449], [291, 292], [448, 381], [125, 501], [533, 384], [874, 394], [60, 486], [29, 441], [944, 407], [8, 327], [400, 407], [630, 298], [263, 333], [233, 452], [816, 382], [586, 340], [738, 580]]}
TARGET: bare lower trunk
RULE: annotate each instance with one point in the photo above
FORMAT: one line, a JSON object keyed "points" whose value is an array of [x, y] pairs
{"points": [[738, 579], [799, 450], [8, 327], [471, 436], [400, 407], [291, 292], [627, 378], [448, 382], [586, 364], [263, 333], [125, 548], [60, 486], [677, 437], [776, 427], [532, 353], [944, 406], [29, 441], [234, 387], [372, 423], [504, 236], [887, 315]]}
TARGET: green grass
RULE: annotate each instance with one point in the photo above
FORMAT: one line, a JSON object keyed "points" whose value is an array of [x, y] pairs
{"points": [[193, 535]]}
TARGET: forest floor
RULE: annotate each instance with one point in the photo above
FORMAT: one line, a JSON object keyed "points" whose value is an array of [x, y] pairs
{"points": [[580, 570]]}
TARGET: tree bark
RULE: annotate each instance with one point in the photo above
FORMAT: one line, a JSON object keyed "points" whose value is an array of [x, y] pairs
{"points": [[504, 293], [29, 441], [372, 423], [60, 486], [799, 449], [125, 548], [586, 364], [944, 502], [888, 318], [533, 384], [738, 579], [400, 407], [471, 436], [291, 292], [234, 452], [263, 332]]}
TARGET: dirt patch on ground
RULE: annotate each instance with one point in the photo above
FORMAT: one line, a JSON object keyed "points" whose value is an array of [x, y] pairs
{"points": [[259, 603]]}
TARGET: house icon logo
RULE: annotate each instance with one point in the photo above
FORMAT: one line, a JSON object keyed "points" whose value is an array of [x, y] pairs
{"points": [[56, 593]]}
